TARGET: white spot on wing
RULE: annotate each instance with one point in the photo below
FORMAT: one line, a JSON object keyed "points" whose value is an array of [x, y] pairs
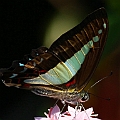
{"points": [[41, 59], [104, 25], [99, 31], [34, 64], [20, 64], [30, 59], [13, 75]]}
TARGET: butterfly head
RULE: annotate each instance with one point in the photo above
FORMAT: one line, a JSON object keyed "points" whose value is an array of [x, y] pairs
{"points": [[84, 96], [76, 97]]}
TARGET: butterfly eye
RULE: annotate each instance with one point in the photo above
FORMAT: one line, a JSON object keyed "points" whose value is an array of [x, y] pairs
{"points": [[85, 97]]}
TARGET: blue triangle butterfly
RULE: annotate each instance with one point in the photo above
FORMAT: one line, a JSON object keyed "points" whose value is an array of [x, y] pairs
{"points": [[63, 70]]}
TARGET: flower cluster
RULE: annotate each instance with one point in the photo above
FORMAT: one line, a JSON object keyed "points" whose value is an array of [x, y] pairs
{"points": [[71, 114]]}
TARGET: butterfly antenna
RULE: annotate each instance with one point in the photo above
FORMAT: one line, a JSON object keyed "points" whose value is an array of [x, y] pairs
{"points": [[99, 81], [62, 108], [100, 97]]}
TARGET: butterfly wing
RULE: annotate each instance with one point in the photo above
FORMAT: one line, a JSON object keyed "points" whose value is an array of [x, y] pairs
{"points": [[71, 59], [81, 47]]}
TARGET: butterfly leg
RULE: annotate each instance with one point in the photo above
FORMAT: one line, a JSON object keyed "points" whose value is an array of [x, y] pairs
{"points": [[56, 102], [63, 108], [79, 108], [85, 111]]}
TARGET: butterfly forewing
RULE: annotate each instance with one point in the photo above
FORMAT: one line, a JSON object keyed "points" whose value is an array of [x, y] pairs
{"points": [[84, 45]]}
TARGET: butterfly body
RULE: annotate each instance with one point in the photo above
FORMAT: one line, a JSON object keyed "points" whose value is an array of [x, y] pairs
{"points": [[69, 96], [63, 70]]}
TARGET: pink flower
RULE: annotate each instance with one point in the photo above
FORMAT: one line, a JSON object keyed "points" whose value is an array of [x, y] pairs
{"points": [[71, 114]]}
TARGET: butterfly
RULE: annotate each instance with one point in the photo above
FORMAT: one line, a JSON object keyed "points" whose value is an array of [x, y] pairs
{"points": [[63, 70]]}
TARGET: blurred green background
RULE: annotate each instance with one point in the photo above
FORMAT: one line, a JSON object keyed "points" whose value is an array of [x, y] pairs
{"points": [[28, 24]]}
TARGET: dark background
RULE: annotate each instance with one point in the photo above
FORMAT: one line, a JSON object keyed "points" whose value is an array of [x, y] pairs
{"points": [[28, 24]]}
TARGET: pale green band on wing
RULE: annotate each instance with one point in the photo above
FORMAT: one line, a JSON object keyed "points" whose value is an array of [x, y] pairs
{"points": [[72, 64], [96, 39], [90, 44], [56, 75], [63, 72]]}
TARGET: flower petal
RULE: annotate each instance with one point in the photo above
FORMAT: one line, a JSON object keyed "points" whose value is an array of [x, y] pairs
{"points": [[71, 110], [54, 113], [89, 111], [71, 114], [54, 110]]}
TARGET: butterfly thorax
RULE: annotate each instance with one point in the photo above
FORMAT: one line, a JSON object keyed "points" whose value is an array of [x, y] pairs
{"points": [[69, 96]]}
